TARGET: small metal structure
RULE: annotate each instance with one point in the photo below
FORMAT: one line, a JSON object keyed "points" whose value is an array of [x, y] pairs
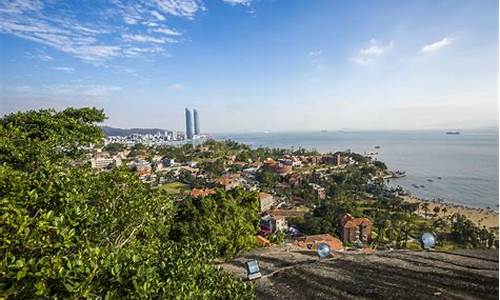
{"points": [[253, 269], [323, 250], [428, 240]]}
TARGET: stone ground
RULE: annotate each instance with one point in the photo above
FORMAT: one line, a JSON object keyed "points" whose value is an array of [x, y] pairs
{"points": [[293, 273]]}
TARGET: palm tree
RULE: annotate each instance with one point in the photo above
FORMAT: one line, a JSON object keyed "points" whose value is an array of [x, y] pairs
{"points": [[425, 207], [444, 210], [436, 210]]}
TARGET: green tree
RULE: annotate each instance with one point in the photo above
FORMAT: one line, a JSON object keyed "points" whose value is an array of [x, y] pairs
{"points": [[114, 148], [32, 139], [227, 220], [425, 208], [267, 179], [66, 232], [436, 210]]}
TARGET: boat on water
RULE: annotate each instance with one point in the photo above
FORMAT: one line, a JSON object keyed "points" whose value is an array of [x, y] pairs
{"points": [[377, 147], [439, 177], [453, 132], [430, 180], [422, 186], [398, 174]]}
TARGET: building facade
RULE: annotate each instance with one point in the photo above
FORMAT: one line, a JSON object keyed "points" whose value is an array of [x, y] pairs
{"points": [[189, 125], [355, 229], [196, 122]]}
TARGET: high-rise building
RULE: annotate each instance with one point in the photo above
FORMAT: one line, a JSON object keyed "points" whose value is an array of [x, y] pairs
{"points": [[189, 125], [196, 122]]}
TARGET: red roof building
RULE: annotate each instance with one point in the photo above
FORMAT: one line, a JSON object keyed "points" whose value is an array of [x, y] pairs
{"points": [[354, 229], [200, 193], [312, 242]]}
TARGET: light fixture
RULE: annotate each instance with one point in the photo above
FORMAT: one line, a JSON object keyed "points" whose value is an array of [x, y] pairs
{"points": [[428, 240], [253, 269], [323, 250]]}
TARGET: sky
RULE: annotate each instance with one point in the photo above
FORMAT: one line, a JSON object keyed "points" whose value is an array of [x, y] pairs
{"points": [[255, 65]]}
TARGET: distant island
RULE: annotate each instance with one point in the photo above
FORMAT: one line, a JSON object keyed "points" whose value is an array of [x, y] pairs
{"points": [[113, 131]]}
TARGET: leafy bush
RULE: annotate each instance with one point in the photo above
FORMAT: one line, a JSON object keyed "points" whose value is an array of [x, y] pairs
{"points": [[66, 232], [228, 221]]}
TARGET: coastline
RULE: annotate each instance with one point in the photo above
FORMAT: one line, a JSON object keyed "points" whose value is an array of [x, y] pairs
{"points": [[480, 216]]}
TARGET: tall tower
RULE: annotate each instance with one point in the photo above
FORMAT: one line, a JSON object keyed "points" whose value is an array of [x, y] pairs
{"points": [[189, 125], [196, 122]]}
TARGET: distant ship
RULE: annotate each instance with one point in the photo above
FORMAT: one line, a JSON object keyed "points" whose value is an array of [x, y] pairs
{"points": [[453, 132], [377, 147]]}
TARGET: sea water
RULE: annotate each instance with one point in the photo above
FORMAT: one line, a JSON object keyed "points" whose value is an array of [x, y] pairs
{"points": [[466, 163]]}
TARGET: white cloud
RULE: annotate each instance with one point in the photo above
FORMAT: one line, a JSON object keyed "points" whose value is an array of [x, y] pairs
{"points": [[315, 53], [88, 33], [176, 87], [93, 91], [158, 16], [67, 29], [64, 69], [371, 52], [76, 91], [317, 61], [40, 55], [437, 45], [143, 38], [238, 2], [168, 31], [183, 8]]}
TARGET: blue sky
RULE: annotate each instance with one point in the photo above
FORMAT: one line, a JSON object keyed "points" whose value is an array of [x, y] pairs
{"points": [[256, 65]]}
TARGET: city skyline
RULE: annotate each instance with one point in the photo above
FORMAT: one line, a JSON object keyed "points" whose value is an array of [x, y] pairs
{"points": [[196, 118], [189, 124], [263, 65]]}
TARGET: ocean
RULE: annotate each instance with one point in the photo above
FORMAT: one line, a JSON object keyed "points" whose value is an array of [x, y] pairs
{"points": [[466, 163]]}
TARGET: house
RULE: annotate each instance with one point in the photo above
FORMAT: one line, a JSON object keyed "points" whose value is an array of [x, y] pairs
{"points": [[168, 162], [354, 229], [294, 180], [320, 191], [276, 167], [273, 224], [280, 223], [265, 201], [288, 213], [200, 193], [191, 163], [228, 182], [141, 167], [312, 242], [100, 163]]}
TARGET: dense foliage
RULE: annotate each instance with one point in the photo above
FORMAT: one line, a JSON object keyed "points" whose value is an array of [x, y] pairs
{"points": [[226, 221], [66, 232]]}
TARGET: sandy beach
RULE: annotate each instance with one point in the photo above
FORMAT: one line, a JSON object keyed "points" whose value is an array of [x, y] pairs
{"points": [[480, 216]]}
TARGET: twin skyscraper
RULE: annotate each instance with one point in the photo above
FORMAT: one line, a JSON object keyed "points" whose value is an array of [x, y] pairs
{"points": [[189, 124]]}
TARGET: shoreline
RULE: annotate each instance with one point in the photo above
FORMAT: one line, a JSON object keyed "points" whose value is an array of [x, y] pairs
{"points": [[480, 216]]}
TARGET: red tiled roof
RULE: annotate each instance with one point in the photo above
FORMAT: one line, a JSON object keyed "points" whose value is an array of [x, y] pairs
{"points": [[357, 222], [196, 193], [263, 195], [314, 240]]}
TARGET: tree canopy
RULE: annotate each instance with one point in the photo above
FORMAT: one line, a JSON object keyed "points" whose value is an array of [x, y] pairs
{"points": [[67, 232]]}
